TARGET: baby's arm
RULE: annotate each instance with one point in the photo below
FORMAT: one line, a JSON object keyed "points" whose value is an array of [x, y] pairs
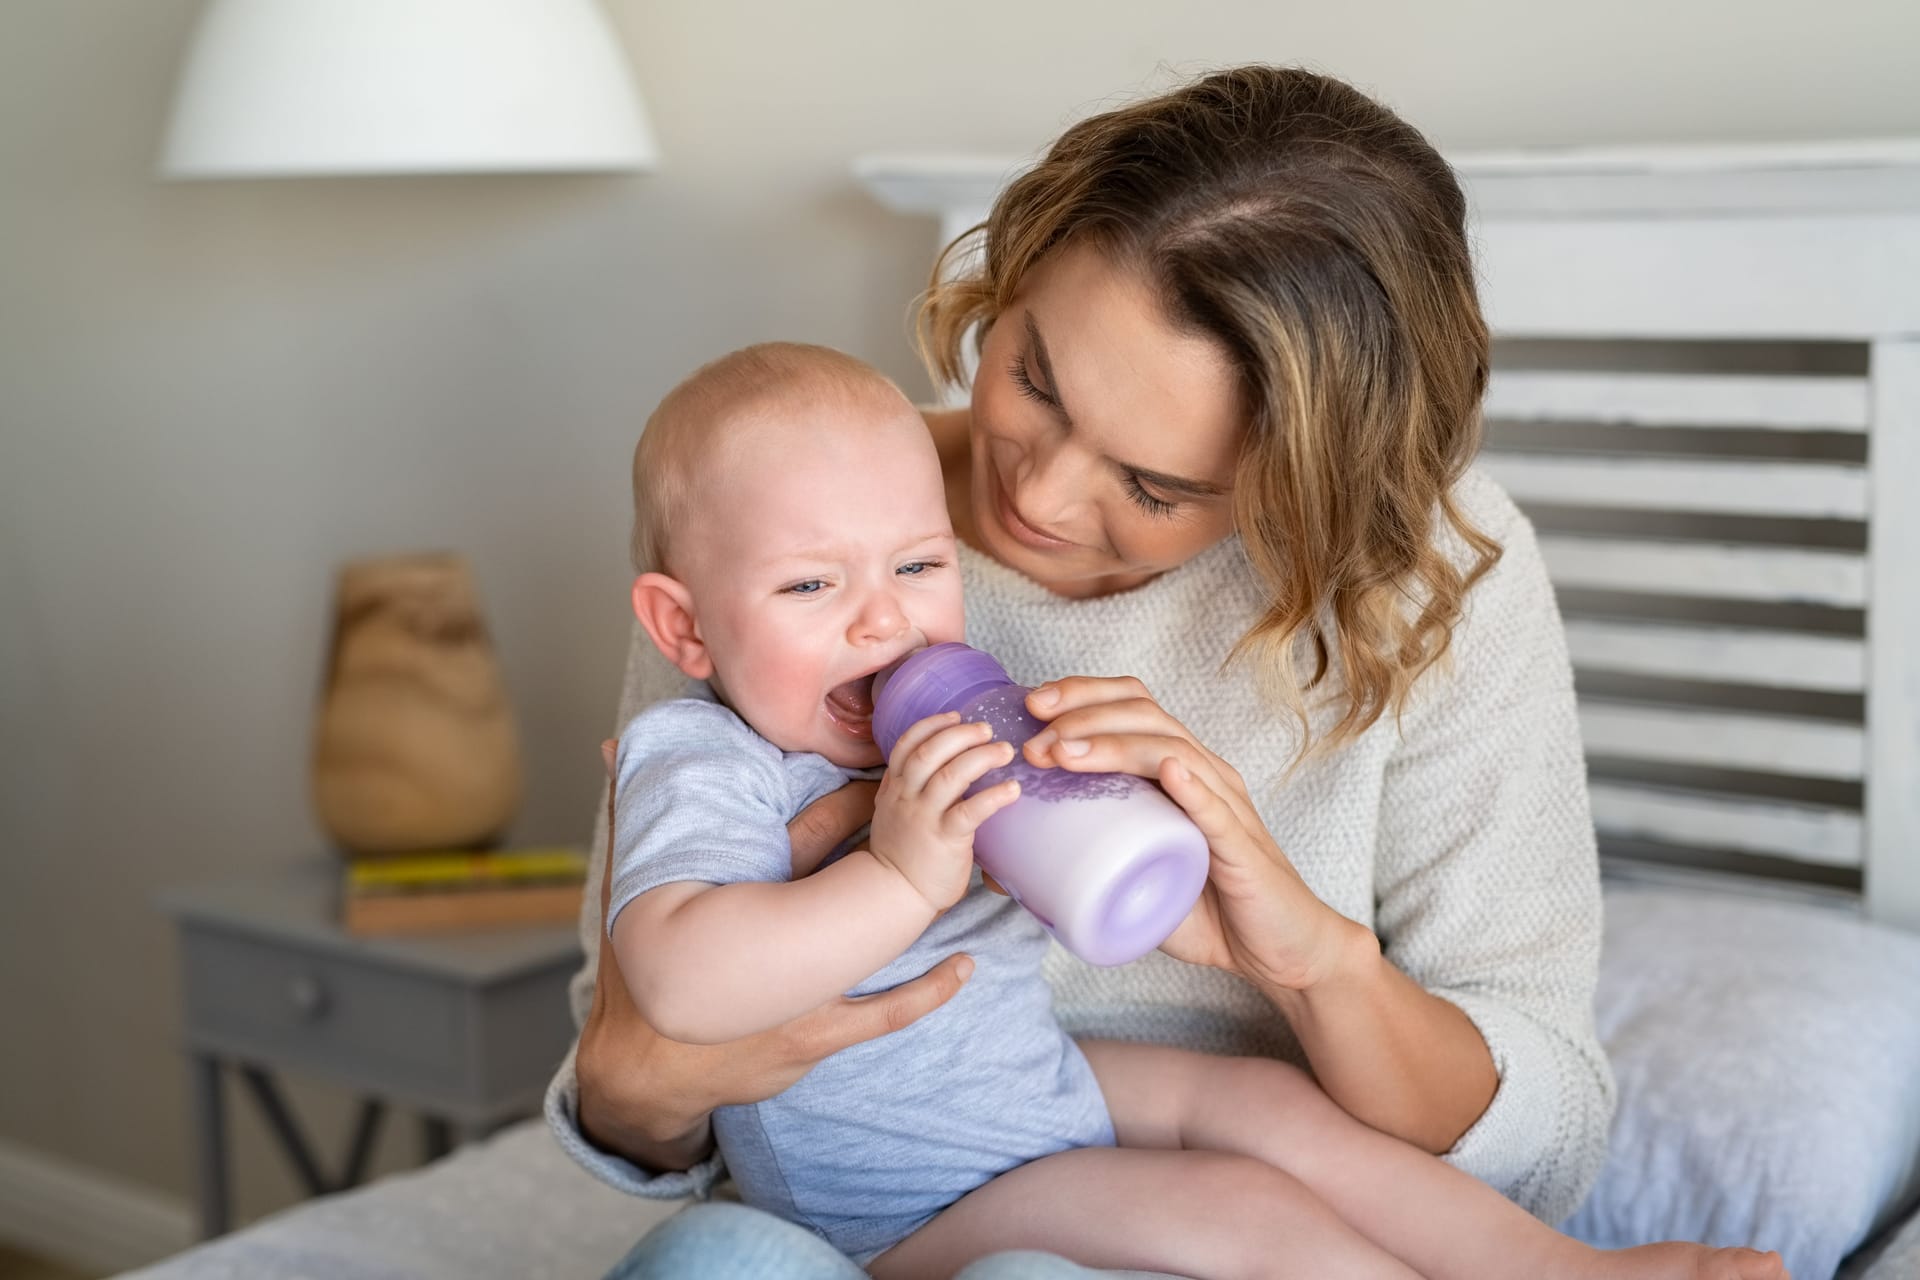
{"points": [[711, 963]]}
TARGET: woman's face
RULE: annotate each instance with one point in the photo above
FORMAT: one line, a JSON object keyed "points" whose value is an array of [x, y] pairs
{"points": [[1103, 440]]}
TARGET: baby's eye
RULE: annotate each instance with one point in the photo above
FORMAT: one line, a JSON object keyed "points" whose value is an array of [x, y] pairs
{"points": [[811, 587], [917, 567]]}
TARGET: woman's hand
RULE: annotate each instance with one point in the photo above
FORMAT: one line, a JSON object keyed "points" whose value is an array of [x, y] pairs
{"points": [[649, 1098], [1256, 917]]}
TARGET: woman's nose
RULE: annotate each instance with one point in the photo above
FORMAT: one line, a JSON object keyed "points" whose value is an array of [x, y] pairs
{"points": [[880, 618], [1051, 484]]}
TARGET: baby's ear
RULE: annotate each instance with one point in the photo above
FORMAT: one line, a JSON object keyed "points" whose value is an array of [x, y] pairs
{"points": [[665, 608]]}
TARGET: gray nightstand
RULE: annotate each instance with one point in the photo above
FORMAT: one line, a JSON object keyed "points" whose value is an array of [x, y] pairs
{"points": [[464, 1028]]}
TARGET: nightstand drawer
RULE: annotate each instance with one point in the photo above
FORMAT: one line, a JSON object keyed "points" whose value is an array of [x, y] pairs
{"points": [[374, 1026]]}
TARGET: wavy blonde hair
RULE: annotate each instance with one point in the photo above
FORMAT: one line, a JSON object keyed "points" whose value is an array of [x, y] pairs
{"points": [[1321, 240]]}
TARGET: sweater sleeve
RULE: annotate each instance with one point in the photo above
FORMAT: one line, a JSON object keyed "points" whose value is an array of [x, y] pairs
{"points": [[650, 678], [1488, 879]]}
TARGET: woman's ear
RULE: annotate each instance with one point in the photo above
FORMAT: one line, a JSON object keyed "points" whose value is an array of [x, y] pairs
{"points": [[665, 608]]}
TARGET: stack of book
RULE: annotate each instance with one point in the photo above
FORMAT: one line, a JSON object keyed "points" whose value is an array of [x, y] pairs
{"points": [[440, 892]]}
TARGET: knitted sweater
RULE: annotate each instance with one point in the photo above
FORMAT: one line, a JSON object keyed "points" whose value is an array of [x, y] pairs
{"points": [[1461, 835]]}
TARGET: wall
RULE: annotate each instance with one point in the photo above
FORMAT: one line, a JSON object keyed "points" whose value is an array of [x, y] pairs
{"points": [[212, 393]]}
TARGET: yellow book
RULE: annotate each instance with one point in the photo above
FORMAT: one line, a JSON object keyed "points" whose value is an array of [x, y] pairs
{"points": [[453, 870]]}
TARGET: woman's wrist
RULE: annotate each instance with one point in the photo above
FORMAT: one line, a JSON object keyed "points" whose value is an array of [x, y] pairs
{"points": [[1391, 1053], [1348, 962], [655, 1138]]}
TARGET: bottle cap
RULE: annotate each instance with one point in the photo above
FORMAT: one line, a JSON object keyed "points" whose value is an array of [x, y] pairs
{"points": [[938, 678]]}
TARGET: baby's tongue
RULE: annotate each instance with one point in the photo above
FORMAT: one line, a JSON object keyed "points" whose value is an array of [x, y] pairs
{"points": [[854, 698]]}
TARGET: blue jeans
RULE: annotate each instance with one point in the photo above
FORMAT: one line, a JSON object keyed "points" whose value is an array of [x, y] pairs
{"points": [[723, 1241]]}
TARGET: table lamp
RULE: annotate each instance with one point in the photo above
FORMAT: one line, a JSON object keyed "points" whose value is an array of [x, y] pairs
{"points": [[286, 88]]}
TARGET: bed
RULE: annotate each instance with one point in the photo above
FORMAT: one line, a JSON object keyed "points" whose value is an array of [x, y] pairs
{"points": [[1707, 397]]}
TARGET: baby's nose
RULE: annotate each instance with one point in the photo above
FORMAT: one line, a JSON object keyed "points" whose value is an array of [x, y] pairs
{"points": [[881, 619]]}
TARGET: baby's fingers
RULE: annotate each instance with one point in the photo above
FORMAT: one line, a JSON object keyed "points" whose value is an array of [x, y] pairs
{"points": [[917, 734], [964, 819], [952, 779], [937, 753]]}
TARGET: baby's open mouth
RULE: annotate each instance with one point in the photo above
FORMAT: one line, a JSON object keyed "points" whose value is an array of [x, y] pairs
{"points": [[851, 705]]}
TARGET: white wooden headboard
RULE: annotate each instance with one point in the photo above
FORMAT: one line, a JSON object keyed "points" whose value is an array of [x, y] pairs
{"points": [[1707, 397]]}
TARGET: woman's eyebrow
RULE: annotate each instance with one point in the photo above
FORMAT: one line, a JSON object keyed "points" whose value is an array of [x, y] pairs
{"points": [[1177, 484]]}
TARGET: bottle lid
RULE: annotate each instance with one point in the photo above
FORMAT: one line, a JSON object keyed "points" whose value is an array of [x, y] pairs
{"points": [[938, 678]]}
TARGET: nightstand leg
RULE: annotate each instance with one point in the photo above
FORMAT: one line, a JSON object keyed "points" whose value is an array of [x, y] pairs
{"points": [[210, 1126], [436, 1135]]}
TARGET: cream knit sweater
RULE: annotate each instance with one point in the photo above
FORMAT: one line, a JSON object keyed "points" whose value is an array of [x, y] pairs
{"points": [[1461, 836]]}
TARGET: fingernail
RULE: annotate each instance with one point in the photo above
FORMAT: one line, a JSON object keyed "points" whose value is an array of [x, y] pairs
{"points": [[1043, 739], [1177, 771], [1075, 747], [1045, 696], [964, 968]]}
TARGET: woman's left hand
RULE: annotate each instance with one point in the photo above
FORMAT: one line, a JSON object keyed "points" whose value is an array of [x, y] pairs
{"points": [[1256, 917]]}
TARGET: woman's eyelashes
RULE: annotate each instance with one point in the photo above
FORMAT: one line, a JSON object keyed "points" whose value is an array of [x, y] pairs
{"points": [[1017, 370], [1147, 502]]}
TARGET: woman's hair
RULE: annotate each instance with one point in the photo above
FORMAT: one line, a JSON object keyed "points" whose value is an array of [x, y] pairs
{"points": [[1321, 241]]}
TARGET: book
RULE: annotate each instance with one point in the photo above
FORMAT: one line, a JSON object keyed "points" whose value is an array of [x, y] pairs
{"points": [[435, 892]]}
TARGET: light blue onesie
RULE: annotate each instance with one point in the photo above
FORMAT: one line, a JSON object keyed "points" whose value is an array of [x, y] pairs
{"points": [[868, 1146]]}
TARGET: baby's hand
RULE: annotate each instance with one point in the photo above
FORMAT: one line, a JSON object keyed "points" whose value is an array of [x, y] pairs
{"points": [[922, 828]]}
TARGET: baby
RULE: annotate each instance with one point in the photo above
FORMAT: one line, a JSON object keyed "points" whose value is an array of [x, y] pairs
{"points": [[793, 539]]}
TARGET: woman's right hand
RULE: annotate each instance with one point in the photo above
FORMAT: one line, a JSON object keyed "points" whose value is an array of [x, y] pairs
{"points": [[650, 1099]]}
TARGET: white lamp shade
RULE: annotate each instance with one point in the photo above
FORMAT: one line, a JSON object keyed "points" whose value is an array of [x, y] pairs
{"points": [[302, 87]]}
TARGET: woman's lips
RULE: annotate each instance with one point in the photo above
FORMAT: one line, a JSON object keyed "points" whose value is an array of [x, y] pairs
{"points": [[1019, 529]]}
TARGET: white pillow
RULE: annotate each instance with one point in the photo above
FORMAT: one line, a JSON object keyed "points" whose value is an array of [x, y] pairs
{"points": [[1768, 1058]]}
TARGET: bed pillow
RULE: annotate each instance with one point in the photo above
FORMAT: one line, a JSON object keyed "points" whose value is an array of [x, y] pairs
{"points": [[1768, 1059]]}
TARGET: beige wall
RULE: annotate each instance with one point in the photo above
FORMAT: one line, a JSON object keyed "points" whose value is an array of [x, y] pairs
{"points": [[211, 393]]}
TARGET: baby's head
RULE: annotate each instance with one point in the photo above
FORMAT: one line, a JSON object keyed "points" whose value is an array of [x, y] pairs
{"points": [[791, 533]]}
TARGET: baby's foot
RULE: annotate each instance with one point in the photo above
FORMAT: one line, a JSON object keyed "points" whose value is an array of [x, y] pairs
{"points": [[1679, 1261]]}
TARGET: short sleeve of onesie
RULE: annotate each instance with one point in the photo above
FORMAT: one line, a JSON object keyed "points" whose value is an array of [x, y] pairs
{"points": [[699, 795]]}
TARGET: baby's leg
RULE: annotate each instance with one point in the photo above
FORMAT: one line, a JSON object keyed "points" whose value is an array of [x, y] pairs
{"points": [[1203, 1214], [1445, 1224]]}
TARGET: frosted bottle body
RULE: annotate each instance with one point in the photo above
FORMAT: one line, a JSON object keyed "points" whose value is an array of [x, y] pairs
{"points": [[1105, 861]]}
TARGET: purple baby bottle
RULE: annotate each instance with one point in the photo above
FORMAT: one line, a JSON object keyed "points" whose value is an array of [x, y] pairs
{"points": [[1104, 860]]}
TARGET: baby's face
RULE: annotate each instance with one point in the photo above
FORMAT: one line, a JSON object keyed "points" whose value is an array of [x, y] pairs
{"points": [[825, 554]]}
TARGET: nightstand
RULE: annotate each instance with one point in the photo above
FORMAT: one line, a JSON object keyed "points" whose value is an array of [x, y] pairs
{"points": [[465, 1029]]}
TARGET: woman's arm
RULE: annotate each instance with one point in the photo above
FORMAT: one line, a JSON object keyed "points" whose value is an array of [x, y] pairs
{"points": [[1471, 1029], [1488, 883], [711, 963], [1392, 1054]]}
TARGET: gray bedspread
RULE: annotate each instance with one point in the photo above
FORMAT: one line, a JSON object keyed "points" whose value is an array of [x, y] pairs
{"points": [[516, 1206]]}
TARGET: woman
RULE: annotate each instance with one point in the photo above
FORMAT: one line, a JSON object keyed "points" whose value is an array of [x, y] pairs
{"points": [[1219, 439]]}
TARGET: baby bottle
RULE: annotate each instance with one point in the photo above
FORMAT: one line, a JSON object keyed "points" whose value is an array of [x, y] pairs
{"points": [[1104, 860]]}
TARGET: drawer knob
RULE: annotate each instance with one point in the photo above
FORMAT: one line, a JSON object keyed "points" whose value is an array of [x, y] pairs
{"points": [[308, 996]]}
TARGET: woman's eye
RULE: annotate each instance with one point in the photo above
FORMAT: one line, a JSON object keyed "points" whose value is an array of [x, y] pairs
{"points": [[1021, 379], [811, 587], [1138, 495]]}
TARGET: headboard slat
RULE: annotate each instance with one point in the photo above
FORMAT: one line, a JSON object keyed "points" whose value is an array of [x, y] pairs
{"points": [[1711, 570], [1802, 832], [1783, 403], [1736, 655], [1806, 490], [1796, 745]]}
